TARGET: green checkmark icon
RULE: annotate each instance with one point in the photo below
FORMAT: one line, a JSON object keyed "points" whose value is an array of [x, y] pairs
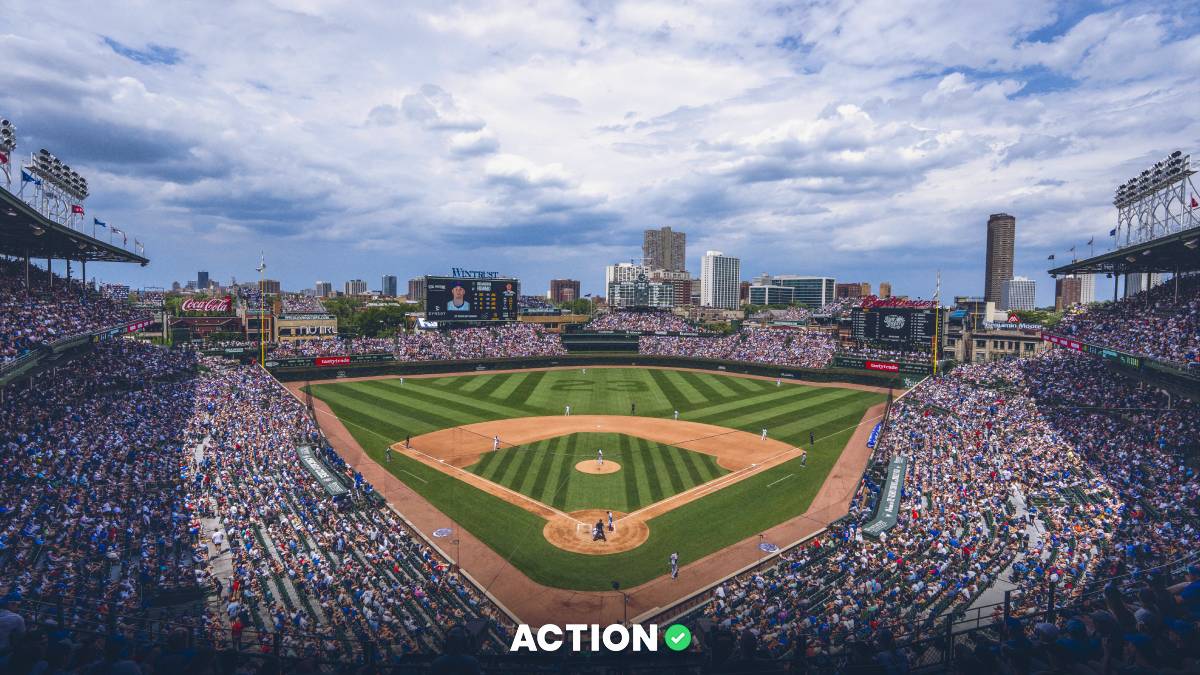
{"points": [[678, 637]]}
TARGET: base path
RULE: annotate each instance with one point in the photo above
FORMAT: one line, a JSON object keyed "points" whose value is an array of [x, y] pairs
{"points": [[537, 604]]}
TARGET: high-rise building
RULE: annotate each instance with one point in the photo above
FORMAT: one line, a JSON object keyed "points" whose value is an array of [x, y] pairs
{"points": [[664, 249], [771, 295], [857, 289], [1001, 238], [271, 286], [356, 287], [1068, 292], [1143, 281], [324, 289], [885, 289], [1018, 293], [813, 292], [719, 280], [564, 290], [390, 286], [202, 281], [416, 290], [1087, 288], [680, 280]]}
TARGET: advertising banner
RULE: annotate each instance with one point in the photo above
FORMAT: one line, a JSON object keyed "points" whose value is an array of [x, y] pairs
{"points": [[317, 468], [862, 363], [889, 499], [1123, 358]]}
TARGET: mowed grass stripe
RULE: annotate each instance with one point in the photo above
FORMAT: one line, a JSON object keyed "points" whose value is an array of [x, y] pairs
{"points": [[669, 391], [656, 470], [701, 386], [500, 468], [800, 414], [560, 479], [684, 460], [475, 382], [831, 425], [511, 382], [640, 464], [523, 471], [754, 414], [632, 497], [717, 414], [354, 412], [458, 382], [459, 403], [718, 384], [694, 398], [492, 385], [521, 394], [543, 471], [382, 411], [709, 467]]}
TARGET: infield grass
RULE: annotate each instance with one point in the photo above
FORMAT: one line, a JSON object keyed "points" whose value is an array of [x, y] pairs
{"points": [[381, 412]]}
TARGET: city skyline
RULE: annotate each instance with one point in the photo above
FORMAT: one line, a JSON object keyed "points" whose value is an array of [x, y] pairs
{"points": [[784, 136]]}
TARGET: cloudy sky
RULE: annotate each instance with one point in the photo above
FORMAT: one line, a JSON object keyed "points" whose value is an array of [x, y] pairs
{"points": [[865, 140]]}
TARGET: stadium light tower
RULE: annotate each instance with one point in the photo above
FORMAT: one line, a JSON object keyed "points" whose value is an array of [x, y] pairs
{"points": [[1156, 202], [8, 143]]}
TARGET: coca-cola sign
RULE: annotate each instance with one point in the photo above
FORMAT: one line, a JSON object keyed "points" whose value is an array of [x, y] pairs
{"points": [[207, 305]]}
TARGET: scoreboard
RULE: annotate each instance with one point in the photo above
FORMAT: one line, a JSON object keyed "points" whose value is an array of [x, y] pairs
{"points": [[458, 299], [905, 326]]}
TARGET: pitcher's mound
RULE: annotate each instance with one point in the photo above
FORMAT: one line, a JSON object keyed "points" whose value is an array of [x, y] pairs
{"points": [[590, 466], [575, 533]]}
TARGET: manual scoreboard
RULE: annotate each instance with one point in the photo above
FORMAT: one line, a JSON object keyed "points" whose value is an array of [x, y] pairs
{"points": [[908, 327], [465, 299]]}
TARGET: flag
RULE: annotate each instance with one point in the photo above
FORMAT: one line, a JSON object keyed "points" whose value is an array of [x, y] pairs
{"points": [[1091, 241], [1072, 249], [115, 230], [138, 245], [1051, 257], [1194, 202], [75, 208], [27, 177], [1112, 232], [3, 158], [100, 223]]}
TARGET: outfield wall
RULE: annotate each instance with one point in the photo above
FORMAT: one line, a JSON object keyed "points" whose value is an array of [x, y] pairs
{"points": [[292, 373]]}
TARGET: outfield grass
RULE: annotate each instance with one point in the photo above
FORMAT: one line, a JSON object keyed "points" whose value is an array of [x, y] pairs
{"points": [[650, 472], [381, 412]]}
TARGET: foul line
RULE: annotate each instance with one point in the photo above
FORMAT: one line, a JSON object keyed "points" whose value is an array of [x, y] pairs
{"points": [[783, 479]]}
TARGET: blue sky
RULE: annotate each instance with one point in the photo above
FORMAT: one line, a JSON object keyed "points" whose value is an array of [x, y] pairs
{"points": [[863, 140]]}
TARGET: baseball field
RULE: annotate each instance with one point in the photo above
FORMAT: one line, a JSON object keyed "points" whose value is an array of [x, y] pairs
{"points": [[497, 455]]}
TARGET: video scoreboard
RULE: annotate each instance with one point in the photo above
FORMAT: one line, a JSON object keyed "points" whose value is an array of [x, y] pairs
{"points": [[464, 299], [906, 326]]}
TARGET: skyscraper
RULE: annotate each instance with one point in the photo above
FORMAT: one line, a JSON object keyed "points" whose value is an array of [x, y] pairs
{"points": [[1068, 292], [564, 290], [356, 287], [324, 289], [885, 289], [202, 281], [1018, 293], [389, 287], [416, 289], [719, 280], [664, 249], [1001, 237]]}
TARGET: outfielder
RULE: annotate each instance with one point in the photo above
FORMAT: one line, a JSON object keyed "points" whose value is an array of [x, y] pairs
{"points": [[764, 434], [567, 411], [674, 560], [677, 414]]}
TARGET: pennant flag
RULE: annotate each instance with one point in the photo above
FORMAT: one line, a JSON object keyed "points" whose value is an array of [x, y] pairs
{"points": [[1194, 202], [100, 223], [1112, 232], [3, 158], [75, 208], [1051, 257], [27, 177], [1091, 241]]}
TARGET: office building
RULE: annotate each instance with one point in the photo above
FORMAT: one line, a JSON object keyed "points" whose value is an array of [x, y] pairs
{"points": [[416, 290], [1087, 288], [564, 290], [812, 292], [856, 289], [390, 287], [885, 289], [665, 250], [1018, 293], [356, 287], [719, 280], [771, 295], [323, 289], [1001, 238], [271, 286], [202, 281], [1067, 292]]}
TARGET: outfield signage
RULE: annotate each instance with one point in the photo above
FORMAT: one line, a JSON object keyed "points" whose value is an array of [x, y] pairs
{"points": [[1123, 358], [874, 435], [889, 500], [122, 330], [329, 361], [472, 274], [316, 467], [208, 305], [864, 363], [638, 333]]}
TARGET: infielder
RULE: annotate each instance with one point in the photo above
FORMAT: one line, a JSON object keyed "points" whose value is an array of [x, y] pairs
{"points": [[495, 442], [764, 434], [803, 458], [676, 414], [388, 453], [610, 521], [599, 456], [674, 560]]}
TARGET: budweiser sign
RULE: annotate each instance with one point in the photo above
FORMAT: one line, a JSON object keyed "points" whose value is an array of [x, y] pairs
{"points": [[209, 305]]}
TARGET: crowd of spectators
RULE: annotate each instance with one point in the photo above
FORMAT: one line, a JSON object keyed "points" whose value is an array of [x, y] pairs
{"points": [[50, 309], [1025, 473], [794, 347], [886, 353], [303, 304], [789, 314], [508, 340], [1151, 323], [639, 321]]}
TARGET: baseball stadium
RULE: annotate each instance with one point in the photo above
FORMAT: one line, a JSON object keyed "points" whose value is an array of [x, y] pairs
{"points": [[678, 471]]}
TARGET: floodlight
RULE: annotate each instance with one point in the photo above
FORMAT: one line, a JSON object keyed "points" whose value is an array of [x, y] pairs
{"points": [[1191, 243], [1177, 153]]}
